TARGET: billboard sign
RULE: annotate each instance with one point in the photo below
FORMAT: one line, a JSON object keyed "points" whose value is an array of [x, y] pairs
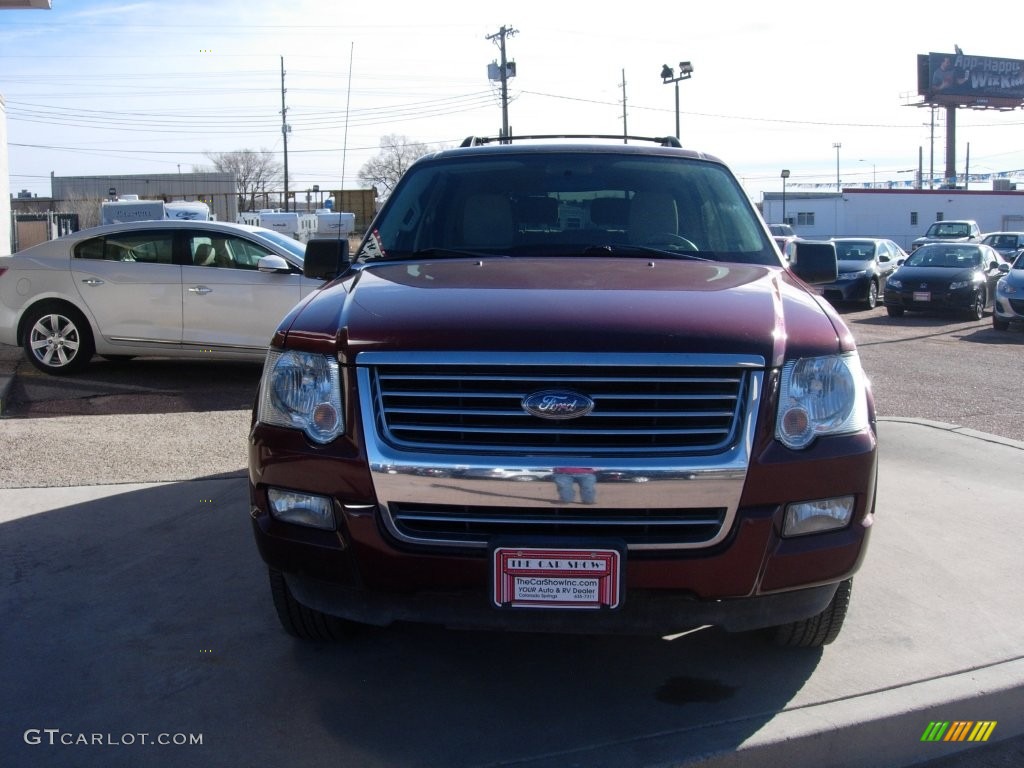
{"points": [[956, 78]]}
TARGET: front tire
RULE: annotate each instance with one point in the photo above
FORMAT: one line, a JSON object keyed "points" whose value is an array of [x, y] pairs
{"points": [[57, 340], [894, 311], [872, 298], [818, 630], [977, 308], [1000, 325], [301, 621]]}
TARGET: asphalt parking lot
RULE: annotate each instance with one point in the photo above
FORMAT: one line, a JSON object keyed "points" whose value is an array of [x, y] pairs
{"points": [[173, 631]]}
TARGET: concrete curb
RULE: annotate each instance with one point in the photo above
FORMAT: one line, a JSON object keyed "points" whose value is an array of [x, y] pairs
{"points": [[966, 431], [880, 728], [858, 730]]}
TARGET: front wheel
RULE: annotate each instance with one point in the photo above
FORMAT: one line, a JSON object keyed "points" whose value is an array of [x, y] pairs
{"points": [[872, 299], [820, 629], [301, 621], [57, 339], [977, 308], [894, 311], [1000, 325]]}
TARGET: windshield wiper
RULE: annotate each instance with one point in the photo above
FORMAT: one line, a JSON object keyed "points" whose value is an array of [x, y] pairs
{"points": [[461, 253], [618, 249]]}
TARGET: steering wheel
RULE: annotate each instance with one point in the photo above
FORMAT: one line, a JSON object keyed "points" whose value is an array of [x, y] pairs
{"points": [[670, 238]]}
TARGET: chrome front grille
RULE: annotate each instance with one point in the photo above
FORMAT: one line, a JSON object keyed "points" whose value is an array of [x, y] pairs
{"points": [[475, 525], [644, 405]]}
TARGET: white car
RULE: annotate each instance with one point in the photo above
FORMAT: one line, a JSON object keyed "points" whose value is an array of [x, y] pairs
{"points": [[166, 288]]}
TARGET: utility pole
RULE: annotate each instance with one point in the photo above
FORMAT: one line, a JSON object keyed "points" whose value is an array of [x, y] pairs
{"points": [[284, 134], [625, 131], [499, 38]]}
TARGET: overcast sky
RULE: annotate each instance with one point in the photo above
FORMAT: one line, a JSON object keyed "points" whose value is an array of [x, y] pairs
{"points": [[102, 87]]}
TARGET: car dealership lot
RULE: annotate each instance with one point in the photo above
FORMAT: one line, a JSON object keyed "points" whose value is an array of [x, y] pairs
{"points": [[147, 601]]}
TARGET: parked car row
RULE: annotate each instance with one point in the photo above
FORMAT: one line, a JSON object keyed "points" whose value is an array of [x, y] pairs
{"points": [[945, 275]]}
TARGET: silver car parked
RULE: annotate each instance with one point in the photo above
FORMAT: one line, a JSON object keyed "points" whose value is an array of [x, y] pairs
{"points": [[1008, 305], [167, 288]]}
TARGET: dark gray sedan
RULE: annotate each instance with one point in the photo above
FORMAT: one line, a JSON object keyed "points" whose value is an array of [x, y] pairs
{"points": [[863, 263], [946, 276]]}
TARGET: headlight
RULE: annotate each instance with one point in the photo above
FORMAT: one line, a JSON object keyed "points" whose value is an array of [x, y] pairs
{"points": [[961, 284], [851, 275], [821, 396], [892, 282], [1004, 288], [302, 391]]}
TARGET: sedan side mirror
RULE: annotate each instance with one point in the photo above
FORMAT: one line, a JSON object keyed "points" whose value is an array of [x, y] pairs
{"points": [[273, 263], [814, 262], [326, 258]]}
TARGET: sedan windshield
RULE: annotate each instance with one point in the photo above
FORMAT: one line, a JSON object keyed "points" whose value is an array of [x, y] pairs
{"points": [[854, 250], [569, 203], [945, 255], [290, 244], [949, 229]]}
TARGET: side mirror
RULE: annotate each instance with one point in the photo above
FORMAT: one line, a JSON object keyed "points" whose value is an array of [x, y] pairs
{"points": [[1004, 268], [273, 263], [326, 258], [814, 263]]}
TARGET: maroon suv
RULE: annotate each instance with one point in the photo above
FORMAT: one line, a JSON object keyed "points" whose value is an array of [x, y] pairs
{"points": [[571, 387]]}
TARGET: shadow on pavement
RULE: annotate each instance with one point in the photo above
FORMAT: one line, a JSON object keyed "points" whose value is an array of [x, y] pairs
{"points": [[144, 385], [148, 612], [144, 609]]}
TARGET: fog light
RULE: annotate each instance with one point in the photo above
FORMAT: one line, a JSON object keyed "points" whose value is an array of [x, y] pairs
{"points": [[805, 517], [301, 509]]}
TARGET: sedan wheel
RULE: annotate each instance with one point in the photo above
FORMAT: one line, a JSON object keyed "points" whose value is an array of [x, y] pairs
{"points": [[58, 339], [977, 310], [872, 295], [894, 311]]}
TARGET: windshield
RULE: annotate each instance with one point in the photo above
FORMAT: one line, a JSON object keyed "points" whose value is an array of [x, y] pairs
{"points": [[949, 229], [290, 244], [854, 250], [946, 256], [551, 203]]}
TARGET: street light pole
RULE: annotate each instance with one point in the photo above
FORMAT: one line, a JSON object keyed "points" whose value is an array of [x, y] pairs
{"points": [[785, 175], [836, 147], [874, 175], [668, 75]]}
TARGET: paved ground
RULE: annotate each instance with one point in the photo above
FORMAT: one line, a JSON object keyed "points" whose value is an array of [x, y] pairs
{"points": [[147, 602], [142, 608]]}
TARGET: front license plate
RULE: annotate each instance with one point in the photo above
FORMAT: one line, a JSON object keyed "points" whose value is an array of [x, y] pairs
{"points": [[922, 296], [527, 577]]}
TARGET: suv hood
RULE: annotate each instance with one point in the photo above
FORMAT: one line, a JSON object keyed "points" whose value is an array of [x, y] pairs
{"points": [[565, 304]]}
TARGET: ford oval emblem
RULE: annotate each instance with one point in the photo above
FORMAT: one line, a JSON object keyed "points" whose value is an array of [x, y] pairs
{"points": [[557, 404]]}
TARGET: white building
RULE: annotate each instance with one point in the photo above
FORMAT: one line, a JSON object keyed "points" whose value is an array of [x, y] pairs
{"points": [[898, 214]]}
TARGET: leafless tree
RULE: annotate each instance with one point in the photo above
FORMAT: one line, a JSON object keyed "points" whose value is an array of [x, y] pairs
{"points": [[396, 154], [254, 170], [87, 208]]}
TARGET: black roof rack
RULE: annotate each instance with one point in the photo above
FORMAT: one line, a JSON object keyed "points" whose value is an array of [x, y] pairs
{"points": [[476, 141]]}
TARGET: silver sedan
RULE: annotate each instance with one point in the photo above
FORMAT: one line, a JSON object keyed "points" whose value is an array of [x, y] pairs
{"points": [[166, 288]]}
